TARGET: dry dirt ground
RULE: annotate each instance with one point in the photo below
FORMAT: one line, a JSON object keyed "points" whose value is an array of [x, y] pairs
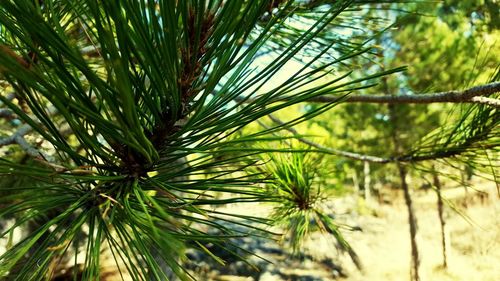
{"points": [[384, 244], [475, 248]]}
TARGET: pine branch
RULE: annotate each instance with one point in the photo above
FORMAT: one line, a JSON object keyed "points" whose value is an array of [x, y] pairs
{"points": [[347, 154], [407, 158], [475, 94], [18, 138], [488, 101]]}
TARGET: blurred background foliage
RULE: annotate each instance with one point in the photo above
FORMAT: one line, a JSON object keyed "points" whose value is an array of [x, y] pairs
{"points": [[446, 45]]}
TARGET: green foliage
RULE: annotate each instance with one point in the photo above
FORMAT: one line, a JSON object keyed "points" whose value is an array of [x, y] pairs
{"points": [[475, 137], [146, 112], [298, 188], [149, 93], [484, 14], [440, 56]]}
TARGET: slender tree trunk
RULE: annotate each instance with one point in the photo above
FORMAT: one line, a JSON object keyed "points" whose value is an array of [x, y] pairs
{"points": [[412, 220], [465, 182], [355, 181], [444, 241], [367, 181]]}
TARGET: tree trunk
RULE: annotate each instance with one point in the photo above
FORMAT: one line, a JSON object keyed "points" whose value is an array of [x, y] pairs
{"points": [[444, 241], [412, 220], [367, 181], [465, 183], [355, 181]]}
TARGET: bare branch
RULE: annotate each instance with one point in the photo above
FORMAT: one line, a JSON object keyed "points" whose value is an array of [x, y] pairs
{"points": [[22, 131], [475, 94], [30, 150], [370, 158], [347, 154], [18, 138], [6, 112]]}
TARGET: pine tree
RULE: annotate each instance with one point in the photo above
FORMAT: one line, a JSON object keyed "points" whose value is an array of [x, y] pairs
{"points": [[131, 115]]}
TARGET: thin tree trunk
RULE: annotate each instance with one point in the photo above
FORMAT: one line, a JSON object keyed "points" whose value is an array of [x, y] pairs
{"points": [[367, 181], [412, 220], [355, 181], [444, 241], [465, 182]]}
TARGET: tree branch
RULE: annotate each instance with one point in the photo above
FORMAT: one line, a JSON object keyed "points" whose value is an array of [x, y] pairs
{"points": [[9, 96], [347, 154], [18, 138], [472, 95], [370, 158], [488, 101]]}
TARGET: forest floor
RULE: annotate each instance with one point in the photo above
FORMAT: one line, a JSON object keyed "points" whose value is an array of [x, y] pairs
{"points": [[384, 244], [473, 236]]}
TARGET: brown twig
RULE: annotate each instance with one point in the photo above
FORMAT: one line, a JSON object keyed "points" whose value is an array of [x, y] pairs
{"points": [[370, 158], [475, 94]]}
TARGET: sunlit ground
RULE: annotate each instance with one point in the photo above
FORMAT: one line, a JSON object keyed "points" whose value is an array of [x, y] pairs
{"points": [[384, 245], [474, 253]]}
